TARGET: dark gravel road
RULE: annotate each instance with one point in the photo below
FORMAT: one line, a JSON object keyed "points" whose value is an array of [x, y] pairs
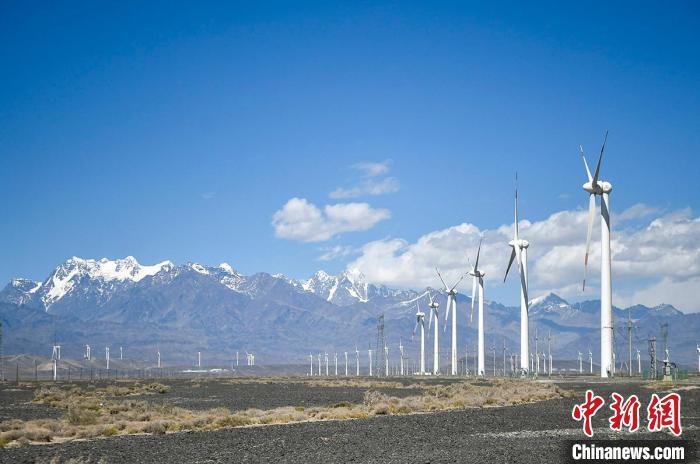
{"points": [[517, 434]]}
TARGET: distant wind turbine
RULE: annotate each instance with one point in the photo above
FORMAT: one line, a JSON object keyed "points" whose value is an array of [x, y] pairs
{"points": [[595, 187], [451, 306], [434, 314], [479, 282], [420, 321]]}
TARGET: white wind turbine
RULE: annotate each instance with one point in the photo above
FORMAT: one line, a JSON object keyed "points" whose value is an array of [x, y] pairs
{"points": [[107, 356], [311, 365], [325, 357], [386, 360], [639, 361], [596, 187], [319, 364], [479, 281], [357, 362], [434, 313], [346, 364], [335, 355], [369, 353], [402, 355], [158, 353], [452, 306], [420, 321], [87, 352], [519, 251], [590, 359], [580, 362]]}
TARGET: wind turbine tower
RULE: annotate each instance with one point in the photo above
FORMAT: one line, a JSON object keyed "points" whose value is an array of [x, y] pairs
{"points": [[107, 356], [121, 353], [401, 354], [55, 356], [335, 356], [639, 361], [595, 187], [369, 353], [420, 321], [158, 353], [451, 306], [87, 352], [346, 364], [519, 251], [357, 362], [434, 313], [537, 352], [478, 281], [580, 362], [590, 359], [311, 361], [549, 351], [386, 360]]}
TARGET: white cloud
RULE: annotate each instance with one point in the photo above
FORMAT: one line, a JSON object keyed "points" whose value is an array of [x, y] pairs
{"points": [[301, 220], [371, 185], [372, 169], [665, 252], [368, 187], [335, 252]]}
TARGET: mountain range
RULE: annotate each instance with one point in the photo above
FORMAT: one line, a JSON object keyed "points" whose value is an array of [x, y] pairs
{"points": [[182, 309]]}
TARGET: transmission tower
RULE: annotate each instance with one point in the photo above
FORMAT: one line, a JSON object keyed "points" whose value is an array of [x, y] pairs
{"points": [[652, 356], [381, 343]]}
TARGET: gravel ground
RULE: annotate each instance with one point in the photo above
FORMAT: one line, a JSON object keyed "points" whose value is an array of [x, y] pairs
{"points": [[239, 396], [15, 403], [516, 434]]}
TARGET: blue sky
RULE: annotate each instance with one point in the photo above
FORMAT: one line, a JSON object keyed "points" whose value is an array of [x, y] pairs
{"points": [[177, 131]]}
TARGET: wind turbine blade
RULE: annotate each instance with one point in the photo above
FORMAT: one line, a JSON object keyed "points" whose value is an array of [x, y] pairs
{"points": [[447, 310], [441, 279], [430, 321], [523, 284], [415, 328], [588, 171], [510, 263], [600, 158], [515, 224], [591, 218], [457, 283], [471, 314], [476, 265]]}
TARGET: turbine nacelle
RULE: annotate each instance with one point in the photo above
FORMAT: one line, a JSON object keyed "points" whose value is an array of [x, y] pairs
{"points": [[600, 187], [521, 243]]}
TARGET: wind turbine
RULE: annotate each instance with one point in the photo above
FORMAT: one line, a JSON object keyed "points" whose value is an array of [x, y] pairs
{"points": [[451, 306], [519, 251], [596, 187], [590, 359], [386, 360], [698, 348], [335, 355], [420, 321], [346, 364], [87, 352], [55, 356], [319, 364], [369, 353], [434, 313], [107, 356], [580, 362], [357, 362], [311, 360], [479, 281], [639, 361], [402, 355], [325, 357], [158, 353]]}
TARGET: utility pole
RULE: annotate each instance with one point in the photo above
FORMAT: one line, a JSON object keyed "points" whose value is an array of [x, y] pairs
{"points": [[549, 351], [537, 352], [652, 356], [504, 357], [493, 347], [629, 338]]}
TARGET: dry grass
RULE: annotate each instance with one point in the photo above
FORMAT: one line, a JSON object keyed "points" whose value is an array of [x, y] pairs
{"points": [[107, 412]]}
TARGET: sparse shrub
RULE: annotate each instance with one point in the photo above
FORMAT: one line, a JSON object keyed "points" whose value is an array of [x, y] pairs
{"points": [[80, 416], [299, 408], [155, 428], [372, 397], [380, 409], [110, 430], [342, 404]]}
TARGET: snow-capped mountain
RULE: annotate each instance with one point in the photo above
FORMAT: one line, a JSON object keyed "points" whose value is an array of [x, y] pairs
{"points": [[191, 307]]}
